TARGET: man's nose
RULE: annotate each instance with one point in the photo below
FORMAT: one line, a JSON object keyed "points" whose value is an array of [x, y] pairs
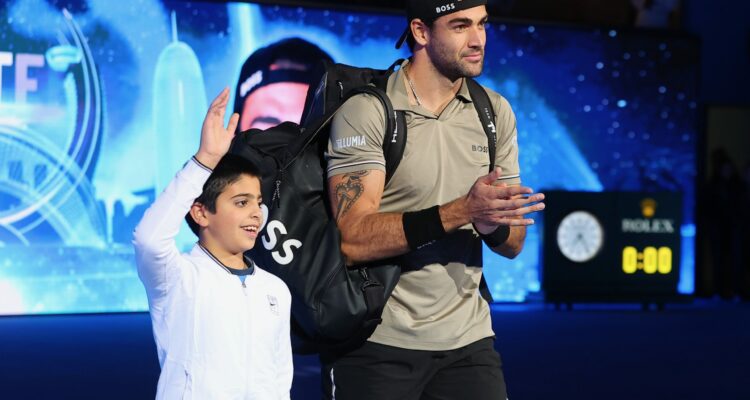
{"points": [[476, 37]]}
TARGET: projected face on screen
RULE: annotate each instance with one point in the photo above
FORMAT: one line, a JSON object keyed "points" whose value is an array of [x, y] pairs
{"points": [[274, 80], [273, 104]]}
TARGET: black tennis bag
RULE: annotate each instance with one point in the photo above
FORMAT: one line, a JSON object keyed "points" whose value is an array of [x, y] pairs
{"points": [[333, 307]]}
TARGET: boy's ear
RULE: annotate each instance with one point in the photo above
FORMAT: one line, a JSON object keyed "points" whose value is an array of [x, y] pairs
{"points": [[198, 211]]}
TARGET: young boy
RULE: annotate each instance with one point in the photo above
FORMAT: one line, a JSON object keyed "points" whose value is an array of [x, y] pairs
{"points": [[221, 323]]}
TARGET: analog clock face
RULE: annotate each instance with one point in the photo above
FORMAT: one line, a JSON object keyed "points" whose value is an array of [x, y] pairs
{"points": [[580, 236]]}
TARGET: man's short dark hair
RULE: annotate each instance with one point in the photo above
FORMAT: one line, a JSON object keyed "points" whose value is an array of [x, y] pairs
{"points": [[227, 171]]}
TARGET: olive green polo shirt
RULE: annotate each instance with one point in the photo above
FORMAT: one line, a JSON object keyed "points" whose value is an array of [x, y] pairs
{"points": [[436, 304]]}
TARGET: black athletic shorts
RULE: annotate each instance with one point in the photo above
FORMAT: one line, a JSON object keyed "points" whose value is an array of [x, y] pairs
{"points": [[379, 372]]}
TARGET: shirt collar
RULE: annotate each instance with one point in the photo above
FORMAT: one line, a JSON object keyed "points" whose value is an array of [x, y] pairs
{"points": [[249, 262], [463, 93], [396, 91]]}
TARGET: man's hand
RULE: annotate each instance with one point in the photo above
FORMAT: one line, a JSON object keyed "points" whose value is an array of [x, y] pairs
{"points": [[491, 205], [215, 139]]}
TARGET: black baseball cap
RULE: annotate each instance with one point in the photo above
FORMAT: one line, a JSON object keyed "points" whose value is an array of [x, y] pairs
{"points": [[430, 10], [288, 60]]}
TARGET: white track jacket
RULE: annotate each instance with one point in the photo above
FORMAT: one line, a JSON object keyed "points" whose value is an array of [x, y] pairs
{"points": [[215, 338]]}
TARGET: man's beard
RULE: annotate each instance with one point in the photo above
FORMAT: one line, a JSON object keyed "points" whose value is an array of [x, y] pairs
{"points": [[452, 68]]}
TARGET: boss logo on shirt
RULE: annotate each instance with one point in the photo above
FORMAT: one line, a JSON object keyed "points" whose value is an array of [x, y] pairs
{"points": [[480, 149]]}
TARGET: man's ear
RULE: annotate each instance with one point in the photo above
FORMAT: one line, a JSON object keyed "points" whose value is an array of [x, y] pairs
{"points": [[420, 31], [198, 211]]}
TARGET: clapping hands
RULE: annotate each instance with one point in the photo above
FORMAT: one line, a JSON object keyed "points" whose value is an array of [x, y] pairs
{"points": [[492, 204]]}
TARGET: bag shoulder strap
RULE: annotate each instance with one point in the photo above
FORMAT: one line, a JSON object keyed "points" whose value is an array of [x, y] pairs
{"points": [[394, 140], [393, 147], [486, 113]]}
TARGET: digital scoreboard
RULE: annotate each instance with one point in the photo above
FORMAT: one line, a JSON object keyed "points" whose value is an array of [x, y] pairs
{"points": [[611, 246]]}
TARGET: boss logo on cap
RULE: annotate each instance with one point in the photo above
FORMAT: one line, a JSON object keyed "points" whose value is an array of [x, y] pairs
{"points": [[252, 81], [445, 7]]}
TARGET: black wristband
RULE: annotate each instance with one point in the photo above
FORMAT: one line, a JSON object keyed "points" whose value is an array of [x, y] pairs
{"points": [[200, 164], [496, 238], [422, 227]]}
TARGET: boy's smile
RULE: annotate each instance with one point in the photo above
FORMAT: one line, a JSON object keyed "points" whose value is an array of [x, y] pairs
{"points": [[234, 227]]}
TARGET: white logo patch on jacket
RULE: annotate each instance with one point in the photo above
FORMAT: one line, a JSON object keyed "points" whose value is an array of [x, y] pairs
{"points": [[274, 304]]}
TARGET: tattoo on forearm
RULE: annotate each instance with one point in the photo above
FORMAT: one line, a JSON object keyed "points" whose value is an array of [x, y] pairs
{"points": [[348, 191]]}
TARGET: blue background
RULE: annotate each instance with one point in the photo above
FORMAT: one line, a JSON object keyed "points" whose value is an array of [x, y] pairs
{"points": [[83, 156]]}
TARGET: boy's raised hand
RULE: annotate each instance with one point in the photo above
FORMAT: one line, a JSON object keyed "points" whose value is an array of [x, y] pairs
{"points": [[215, 139]]}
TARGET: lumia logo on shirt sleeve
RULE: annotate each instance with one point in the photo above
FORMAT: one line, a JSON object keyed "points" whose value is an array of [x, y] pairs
{"points": [[346, 142]]}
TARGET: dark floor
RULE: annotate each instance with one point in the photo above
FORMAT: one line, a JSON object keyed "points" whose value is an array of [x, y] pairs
{"points": [[688, 351]]}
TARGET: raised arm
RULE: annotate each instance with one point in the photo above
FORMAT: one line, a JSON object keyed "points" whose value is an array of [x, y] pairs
{"points": [[154, 237]]}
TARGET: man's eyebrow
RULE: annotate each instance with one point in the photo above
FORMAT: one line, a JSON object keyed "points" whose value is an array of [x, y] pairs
{"points": [[467, 21], [463, 20]]}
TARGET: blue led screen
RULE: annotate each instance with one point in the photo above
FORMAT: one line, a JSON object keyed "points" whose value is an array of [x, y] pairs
{"points": [[101, 102]]}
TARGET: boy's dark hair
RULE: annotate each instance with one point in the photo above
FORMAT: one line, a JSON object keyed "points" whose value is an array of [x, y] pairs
{"points": [[227, 171]]}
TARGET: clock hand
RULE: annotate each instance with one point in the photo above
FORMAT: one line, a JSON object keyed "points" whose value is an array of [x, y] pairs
{"points": [[585, 247], [579, 238]]}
